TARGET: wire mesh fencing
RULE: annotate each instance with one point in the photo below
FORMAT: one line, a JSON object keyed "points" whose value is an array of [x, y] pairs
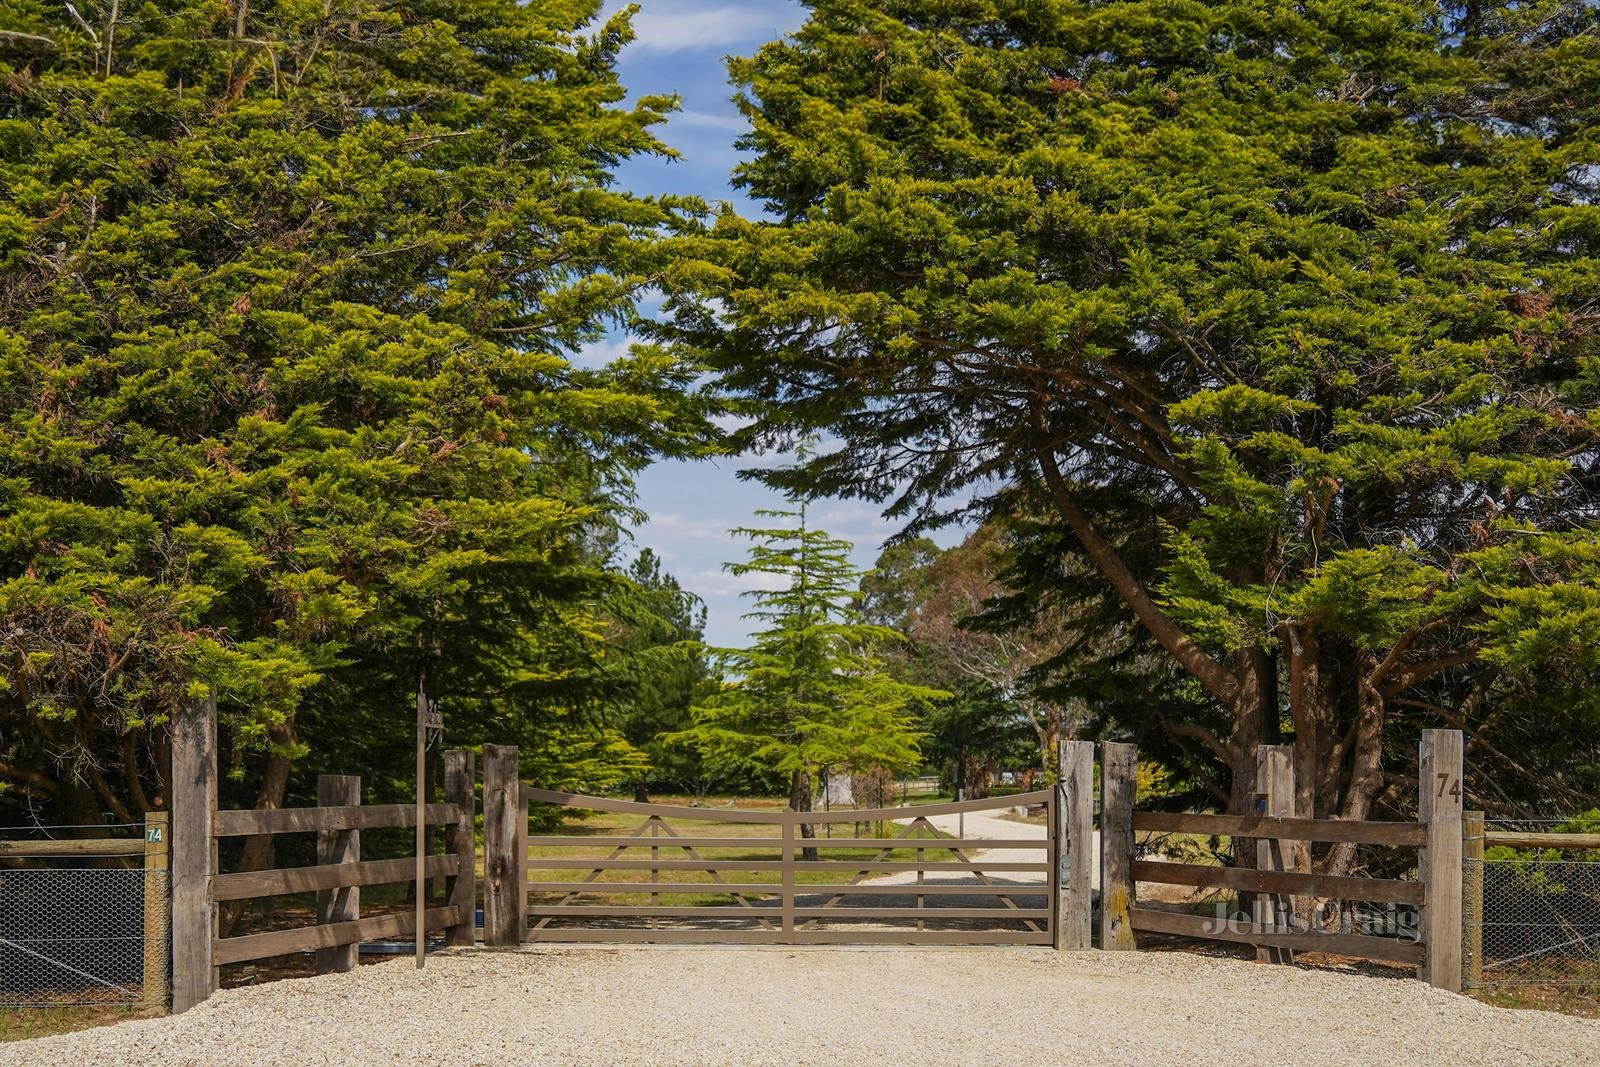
{"points": [[81, 935], [1531, 921]]}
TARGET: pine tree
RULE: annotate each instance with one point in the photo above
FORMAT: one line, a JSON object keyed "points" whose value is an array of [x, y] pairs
{"points": [[1284, 312], [661, 669], [811, 693], [286, 295]]}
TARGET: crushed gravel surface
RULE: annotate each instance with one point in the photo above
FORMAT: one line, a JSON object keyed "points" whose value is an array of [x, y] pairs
{"points": [[831, 1006]]}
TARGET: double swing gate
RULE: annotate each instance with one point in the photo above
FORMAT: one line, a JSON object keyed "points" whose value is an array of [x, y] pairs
{"points": [[686, 875]]}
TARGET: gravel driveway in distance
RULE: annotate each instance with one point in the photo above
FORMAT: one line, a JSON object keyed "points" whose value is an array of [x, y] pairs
{"points": [[831, 1006]]}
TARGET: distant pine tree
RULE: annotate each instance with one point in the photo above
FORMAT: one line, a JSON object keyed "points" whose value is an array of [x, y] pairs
{"points": [[811, 691]]}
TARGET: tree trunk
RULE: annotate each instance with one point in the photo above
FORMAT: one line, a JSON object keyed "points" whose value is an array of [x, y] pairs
{"points": [[257, 854], [800, 800], [641, 792]]}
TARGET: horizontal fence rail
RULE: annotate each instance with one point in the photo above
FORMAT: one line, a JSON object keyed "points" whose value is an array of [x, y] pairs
{"points": [[249, 823], [1283, 907], [1284, 829], [200, 888], [678, 876]]}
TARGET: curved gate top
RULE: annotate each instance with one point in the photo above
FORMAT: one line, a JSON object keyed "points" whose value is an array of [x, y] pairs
{"points": [[944, 874]]}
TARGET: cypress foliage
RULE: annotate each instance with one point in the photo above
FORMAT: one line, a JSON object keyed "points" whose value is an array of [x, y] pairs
{"points": [[286, 293], [1284, 312]]}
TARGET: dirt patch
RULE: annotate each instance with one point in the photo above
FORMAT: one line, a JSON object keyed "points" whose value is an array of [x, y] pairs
{"points": [[830, 1006]]}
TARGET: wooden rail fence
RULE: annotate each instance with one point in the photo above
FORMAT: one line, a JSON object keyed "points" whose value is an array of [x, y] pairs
{"points": [[1436, 894], [199, 886], [774, 884]]}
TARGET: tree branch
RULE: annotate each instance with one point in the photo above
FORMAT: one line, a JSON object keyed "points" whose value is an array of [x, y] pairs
{"points": [[1217, 679]]}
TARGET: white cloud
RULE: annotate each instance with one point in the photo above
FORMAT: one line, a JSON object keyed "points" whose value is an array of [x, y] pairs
{"points": [[730, 121], [680, 27], [601, 353], [674, 525], [720, 583]]}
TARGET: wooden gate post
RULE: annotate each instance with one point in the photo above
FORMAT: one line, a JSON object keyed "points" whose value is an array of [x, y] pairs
{"points": [[338, 846], [1439, 810], [462, 843], [1119, 771], [504, 876], [1275, 784], [157, 914], [194, 849], [1472, 899], [520, 927], [1074, 846]]}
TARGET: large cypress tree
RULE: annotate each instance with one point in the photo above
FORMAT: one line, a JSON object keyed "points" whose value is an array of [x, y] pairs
{"points": [[285, 296], [1299, 295]]}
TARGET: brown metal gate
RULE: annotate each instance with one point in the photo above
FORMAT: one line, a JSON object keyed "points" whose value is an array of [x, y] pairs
{"points": [[691, 875]]}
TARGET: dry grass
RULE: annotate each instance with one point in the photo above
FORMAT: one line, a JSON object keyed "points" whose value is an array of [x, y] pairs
{"points": [[20, 1024]]}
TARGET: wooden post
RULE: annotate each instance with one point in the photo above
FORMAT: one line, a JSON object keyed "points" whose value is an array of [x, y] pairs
{"points": [[503, 878], [462, 843], [1118, 780], [157, 922], [520, 926], [1275, 785], [1439, 810], [193, 855], [1472, 899], [338, 846], [1075, 846]]}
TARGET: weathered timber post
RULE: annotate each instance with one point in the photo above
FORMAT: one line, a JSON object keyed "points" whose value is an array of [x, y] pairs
{"points": [[157, 920], [1440, 789], [1472, 899], [521, 924], [338, 846], [194, 850], [1074, 843], [462, 843], [1275, 785], [503, 877], [1118, 782]]}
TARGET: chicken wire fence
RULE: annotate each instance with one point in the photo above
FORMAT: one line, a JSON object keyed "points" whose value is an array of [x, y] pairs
{"points": [[92, 933], [1531, 921]]}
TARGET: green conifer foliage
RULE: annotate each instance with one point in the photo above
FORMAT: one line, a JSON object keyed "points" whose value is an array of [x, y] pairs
{"points": [[1302, 292], [286, 292], [812, 692]]}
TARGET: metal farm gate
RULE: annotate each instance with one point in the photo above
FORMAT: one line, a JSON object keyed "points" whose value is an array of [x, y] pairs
{"points": [[688, 875]]}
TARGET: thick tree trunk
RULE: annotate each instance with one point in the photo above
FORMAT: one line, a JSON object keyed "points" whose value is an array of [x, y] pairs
{"points": [[257, 854], [800, 800]]}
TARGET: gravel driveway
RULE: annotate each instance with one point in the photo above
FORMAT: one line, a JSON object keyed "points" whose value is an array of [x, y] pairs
{"points": [[838, 1007]]}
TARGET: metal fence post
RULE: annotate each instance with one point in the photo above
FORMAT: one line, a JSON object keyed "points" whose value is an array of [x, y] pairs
{"points": [[338, 846], [194, 851], [1074, 846], [1119, 770], [1439, 810]]}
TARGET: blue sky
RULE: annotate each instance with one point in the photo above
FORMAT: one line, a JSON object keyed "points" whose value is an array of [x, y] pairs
{"points": [[680, 48]]}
